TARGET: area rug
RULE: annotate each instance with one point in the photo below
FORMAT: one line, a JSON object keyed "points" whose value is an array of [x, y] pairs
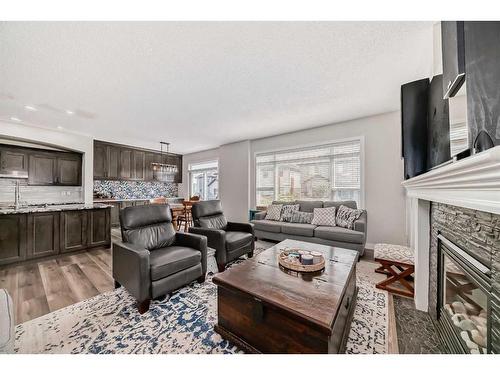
{"points": [[110, 323]]}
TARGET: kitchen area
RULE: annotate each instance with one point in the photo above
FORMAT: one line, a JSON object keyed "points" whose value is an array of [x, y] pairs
{"points": [[42, 207]]}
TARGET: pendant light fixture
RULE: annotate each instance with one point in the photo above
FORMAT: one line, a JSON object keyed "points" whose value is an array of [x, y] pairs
{"points": [[163, 171]]}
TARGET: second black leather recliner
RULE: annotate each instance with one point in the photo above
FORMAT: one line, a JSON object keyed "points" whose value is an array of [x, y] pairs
{"points": [[230, 240]]}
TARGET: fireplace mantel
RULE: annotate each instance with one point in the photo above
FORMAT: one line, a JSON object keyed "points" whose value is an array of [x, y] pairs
{"points": [[472, 183]]}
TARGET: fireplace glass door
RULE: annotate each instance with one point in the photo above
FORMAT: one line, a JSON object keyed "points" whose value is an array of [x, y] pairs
{"points": [[465, 303]]}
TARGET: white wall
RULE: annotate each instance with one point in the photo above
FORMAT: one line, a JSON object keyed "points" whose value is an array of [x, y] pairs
{"points": [[383, 170], [61, 139], [234, 172]]}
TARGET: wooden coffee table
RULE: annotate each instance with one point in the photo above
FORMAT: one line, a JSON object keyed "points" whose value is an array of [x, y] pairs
{"points": [[264, 308]]}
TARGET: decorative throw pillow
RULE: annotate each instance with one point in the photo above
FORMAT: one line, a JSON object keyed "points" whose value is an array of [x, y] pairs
{"points": [[347, 216], [287, 212], [274, 212], [324, 216], [302, 217]]}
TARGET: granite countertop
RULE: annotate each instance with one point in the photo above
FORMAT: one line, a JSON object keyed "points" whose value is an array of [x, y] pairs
{"points": [[52, 208]]}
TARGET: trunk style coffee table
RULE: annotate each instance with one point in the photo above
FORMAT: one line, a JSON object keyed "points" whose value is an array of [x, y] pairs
{"points": [[265, 308]]}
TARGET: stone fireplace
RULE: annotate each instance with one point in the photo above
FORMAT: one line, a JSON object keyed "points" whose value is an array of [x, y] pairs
{"points": [[454, 227]]}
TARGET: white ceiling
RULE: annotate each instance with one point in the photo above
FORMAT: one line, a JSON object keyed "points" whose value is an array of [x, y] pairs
{"points": [[202, 84]]}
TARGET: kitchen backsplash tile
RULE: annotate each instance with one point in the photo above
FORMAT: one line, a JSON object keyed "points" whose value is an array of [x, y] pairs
{"points": [[39, 194], [134, 189]]}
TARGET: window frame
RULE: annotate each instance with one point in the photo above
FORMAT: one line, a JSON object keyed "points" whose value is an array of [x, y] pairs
{"points": [[203, 170], [298, 147]]}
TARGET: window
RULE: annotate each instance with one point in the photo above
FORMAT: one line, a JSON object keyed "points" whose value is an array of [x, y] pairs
{"points": [[327, 172], [204, 180]]}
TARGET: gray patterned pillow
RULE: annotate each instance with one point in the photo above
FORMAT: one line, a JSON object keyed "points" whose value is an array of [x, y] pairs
{"points": [[324, 216], [302, 217], [287, 212], [274, 212], [347, 216]]}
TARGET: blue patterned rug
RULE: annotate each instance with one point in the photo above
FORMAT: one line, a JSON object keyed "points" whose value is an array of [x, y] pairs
{"points": [[110, 323]]}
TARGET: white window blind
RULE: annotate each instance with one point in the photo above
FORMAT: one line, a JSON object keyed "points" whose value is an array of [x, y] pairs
{"points": [[326, 172]]}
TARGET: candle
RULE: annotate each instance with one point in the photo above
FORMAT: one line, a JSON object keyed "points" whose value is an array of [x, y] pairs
{"points": [[316, 256], [307, 259]]}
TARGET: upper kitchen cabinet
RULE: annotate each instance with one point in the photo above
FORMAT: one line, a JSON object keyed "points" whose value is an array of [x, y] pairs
{"points": [[69, 170], [112, 161], [453, 48], [13, 160], [42, 169], [139, 165], [54, 168]]}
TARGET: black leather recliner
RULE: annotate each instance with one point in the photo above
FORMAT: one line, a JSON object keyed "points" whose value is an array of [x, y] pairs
{"points": [[153, 259], [230, 240]]}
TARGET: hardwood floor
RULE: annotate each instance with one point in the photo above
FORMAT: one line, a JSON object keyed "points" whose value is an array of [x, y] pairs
{"points": [[39, 288]]}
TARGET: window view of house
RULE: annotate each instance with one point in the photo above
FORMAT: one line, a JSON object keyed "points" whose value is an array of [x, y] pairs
{"points": [[204, 180], [327, 172]]}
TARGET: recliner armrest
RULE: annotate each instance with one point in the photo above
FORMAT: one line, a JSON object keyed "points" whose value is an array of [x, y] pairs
{"points": [[216, 238], [131, 268], [194, 241], [239, 227], [360, 225], [261, 215]]}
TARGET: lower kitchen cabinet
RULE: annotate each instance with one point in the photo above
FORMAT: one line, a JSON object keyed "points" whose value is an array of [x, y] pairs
{"points": [[115, 214], [12, 238], [99, 228], [43, 234], [73, 230]]}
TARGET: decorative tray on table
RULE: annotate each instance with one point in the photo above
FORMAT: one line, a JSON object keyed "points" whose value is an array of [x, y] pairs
{"points": [[297, 259]]}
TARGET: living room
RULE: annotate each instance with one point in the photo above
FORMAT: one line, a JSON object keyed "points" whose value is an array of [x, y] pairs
{"points": [[233, 186]]}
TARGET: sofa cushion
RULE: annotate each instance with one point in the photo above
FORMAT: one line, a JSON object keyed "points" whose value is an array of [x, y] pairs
{"points": [[274, 212], [267, 225], [298, 229], [235, 240], [324, 216], [287, 212], [339, 234], [169, 260], [302, 217], [347, 216], [309, 206], [337, 204]]}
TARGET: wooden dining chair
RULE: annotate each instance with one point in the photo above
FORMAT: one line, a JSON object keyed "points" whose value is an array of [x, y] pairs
{"points": [[186, 218]]}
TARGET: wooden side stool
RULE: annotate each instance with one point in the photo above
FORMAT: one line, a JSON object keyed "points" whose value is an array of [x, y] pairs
{"points": [[397, 262]]}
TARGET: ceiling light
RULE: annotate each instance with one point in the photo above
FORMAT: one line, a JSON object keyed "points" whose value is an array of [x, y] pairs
{"points": [[30, 108], [70, 112], [15, 119], [60, 127]]}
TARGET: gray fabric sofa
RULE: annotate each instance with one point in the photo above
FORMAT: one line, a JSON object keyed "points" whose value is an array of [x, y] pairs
{"points": [[354, 239]]}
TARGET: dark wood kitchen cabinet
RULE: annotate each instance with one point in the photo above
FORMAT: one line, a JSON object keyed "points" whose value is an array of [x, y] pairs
{"points": [[73, 229], [42, 169], [139, 165], [13, 160], [43, 234], [126, 164], [12, 238], [99, 227], [117, 162], [115, 214], [69, 170], [453, 49], [100, 161]]}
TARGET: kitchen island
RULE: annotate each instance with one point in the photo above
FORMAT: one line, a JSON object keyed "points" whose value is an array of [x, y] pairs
{"points": [[43, 231]]}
